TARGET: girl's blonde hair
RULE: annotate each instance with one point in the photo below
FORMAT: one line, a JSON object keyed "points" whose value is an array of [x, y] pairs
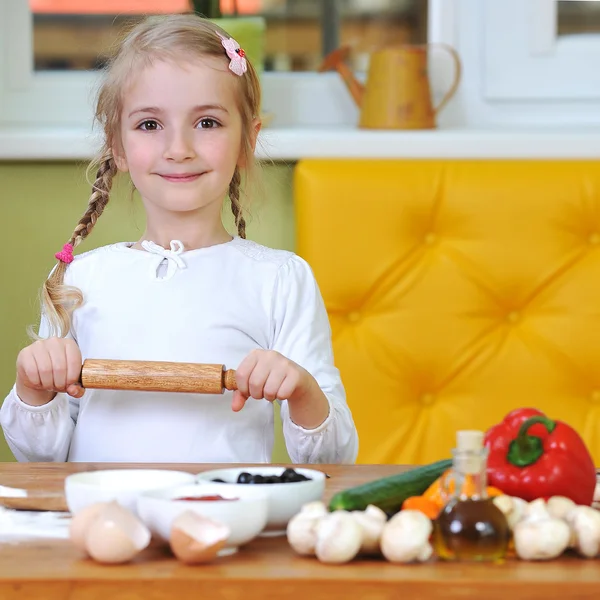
{"points": [[176, 38]]}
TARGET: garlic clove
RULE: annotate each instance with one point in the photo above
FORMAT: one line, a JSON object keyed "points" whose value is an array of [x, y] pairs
{"points": [[196, 539], [514, 508], [314, 509], [559, 506], [371, 520], [584, 522], [81, 521], [537, 509], [115, 535], [405, 537], [302, 528], [537, 538], [339, 538]]}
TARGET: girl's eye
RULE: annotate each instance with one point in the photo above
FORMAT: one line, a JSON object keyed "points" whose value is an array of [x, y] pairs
{"points": [[149, 126], [207, 123]]}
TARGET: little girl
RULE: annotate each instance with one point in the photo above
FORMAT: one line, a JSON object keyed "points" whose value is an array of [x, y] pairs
{"points": [[180, 112]]}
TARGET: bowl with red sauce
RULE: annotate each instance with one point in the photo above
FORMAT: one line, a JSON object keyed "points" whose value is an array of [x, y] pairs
{"points": [[243, 511], [288, 489], [123, 485]]}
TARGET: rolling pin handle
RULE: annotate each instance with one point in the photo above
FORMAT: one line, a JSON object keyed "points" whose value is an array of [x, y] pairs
{"points": [[229, 382]]}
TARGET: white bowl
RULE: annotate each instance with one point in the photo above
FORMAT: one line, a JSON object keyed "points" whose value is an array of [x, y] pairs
{"points": [[285, 499], [246, 516], [122, 485]]}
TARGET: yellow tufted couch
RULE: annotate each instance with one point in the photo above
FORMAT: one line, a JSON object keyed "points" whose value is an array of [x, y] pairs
{"points": [[457, 291]]}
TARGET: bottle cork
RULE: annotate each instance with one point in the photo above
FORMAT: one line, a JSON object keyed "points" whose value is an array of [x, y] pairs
{"points": [[469, 440], [469, 446]]}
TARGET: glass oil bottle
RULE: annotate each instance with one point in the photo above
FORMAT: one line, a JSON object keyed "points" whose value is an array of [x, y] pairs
{"points": [[470, 527]]}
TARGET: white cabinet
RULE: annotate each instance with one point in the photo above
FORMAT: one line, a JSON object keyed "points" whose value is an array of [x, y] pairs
{"points": [[525, 58], [517, 69]]}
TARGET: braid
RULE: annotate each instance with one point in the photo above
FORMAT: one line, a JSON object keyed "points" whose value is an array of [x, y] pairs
{"points": [[98, 200], [59, 301], [236, 207]]}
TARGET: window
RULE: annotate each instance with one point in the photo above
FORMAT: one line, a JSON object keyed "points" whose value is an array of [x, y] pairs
{"points": [[75, 34], [52, 48], [525, 62], [576, 17]]}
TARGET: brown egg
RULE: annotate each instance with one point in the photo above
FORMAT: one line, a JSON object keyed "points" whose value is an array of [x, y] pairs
{"points": [[115, 535], [196, 539], [81, 521]]}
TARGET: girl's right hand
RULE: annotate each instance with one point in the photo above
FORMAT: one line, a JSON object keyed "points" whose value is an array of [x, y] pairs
{"points": [[47, 367]]}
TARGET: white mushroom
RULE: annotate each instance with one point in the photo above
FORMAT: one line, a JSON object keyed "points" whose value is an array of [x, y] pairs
{"points": [[540, 536], [559, 506], [405, 537], [372, 521], [339, 537], [584, 522], [302, 528], [514, 508]]}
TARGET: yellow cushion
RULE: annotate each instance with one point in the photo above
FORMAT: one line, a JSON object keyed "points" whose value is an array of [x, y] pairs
{"points": [[457, 291]]}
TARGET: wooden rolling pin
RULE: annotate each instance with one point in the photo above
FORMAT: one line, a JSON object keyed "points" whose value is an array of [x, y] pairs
{"points": [[151, 376]]}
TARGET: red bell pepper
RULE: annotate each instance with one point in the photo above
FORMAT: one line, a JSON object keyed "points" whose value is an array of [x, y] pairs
{"points": [[531, 456]]}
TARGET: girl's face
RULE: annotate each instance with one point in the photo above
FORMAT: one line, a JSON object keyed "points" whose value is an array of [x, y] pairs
{"points": [[181, 136]]}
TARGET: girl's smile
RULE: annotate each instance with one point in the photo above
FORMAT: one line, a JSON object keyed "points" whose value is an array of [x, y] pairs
{"points": [[181, 178]]}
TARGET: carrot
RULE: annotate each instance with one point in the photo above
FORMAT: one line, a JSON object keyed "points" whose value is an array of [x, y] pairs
{"points": [[437, 495], [493, 492], [427, 507]]}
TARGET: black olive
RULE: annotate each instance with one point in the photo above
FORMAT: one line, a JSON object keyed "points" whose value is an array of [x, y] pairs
{"points": [[287, 475], [219, 480], [244, 477], [257, 479]]}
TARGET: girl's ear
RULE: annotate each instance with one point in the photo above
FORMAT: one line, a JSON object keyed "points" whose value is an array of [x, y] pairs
{"points": [[255, 129], [120, 159], [256, 125]]}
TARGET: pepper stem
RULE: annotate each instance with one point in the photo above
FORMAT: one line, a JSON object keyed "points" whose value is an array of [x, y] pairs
{"points": [[526, 449]]}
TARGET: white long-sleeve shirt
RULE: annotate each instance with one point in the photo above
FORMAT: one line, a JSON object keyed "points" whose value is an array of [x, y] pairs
{"points": [[209, 305]]}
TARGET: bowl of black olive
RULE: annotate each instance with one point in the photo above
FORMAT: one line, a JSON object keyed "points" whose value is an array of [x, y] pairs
{"points": [[288, 489]]}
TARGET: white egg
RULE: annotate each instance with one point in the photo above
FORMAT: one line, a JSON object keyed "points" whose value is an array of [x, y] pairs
{"points": [[116, 535], [81, 521], [196, 539]]}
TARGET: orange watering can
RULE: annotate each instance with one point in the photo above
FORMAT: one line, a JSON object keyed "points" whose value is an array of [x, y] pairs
{"points": [[397, 94]]}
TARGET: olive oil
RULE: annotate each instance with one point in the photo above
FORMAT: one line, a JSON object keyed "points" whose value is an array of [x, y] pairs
{"points": [[470, 527]]}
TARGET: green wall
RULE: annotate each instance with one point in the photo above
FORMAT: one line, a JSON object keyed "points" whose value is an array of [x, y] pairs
{"points": [[40, 204]]}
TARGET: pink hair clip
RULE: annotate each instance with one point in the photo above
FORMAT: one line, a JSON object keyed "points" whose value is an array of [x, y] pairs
{"points": [[66, 254], [237, 57]]}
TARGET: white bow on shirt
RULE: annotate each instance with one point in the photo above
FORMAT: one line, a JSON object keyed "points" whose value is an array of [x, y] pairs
{"points": [[172, 256]]}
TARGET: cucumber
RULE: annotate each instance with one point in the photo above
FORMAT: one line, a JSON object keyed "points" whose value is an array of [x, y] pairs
{"points": [[390, 492]]}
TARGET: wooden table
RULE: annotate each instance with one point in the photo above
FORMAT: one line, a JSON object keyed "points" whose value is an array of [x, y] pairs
{"points": [[266, 568]]}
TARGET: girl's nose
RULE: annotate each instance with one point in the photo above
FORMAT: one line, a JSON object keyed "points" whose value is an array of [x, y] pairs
{"points": [[179, 147]]}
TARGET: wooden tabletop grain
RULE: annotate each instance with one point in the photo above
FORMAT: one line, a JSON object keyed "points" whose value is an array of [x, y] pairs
{"points": [[266, 568]]}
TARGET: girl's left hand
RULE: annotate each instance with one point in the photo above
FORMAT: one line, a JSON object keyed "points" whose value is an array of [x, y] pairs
{"points": [[269, 375]]}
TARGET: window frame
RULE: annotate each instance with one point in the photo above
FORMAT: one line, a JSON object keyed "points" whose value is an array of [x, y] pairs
{"points": [[36, 99], [64, 101], [487, 98], [534, 63]]}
